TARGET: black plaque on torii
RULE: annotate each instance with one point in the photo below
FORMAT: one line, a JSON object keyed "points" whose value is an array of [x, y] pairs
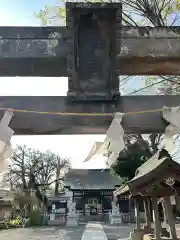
{"points": [[91, 62]]}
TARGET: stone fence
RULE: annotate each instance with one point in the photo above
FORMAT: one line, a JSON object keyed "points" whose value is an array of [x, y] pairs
{"points": [[128, 217]]}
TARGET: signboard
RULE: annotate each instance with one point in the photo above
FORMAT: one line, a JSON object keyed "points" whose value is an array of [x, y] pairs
{"points": [[92, 60], [53, 206]]}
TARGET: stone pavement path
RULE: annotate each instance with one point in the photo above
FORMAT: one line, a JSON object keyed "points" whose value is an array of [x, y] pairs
{"points": [[90, 231], [94, 231], [43, 233]]}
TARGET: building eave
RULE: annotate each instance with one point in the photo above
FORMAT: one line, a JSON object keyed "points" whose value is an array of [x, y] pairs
{"points": [[123, 190]]}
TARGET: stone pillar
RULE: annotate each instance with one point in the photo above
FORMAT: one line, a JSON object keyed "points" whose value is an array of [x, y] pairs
{"points": [[138, 233], [156, 219], [164, 231], [138, 224], [170, 218], [147, 213], [177, 197], [164, 211]]}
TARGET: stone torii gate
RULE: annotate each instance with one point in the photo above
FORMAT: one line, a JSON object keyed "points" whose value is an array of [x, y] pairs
{"points": [[92, 50]]}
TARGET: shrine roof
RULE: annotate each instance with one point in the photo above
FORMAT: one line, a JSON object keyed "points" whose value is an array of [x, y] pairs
{"points": [[148, 166], [156, 167], [124, 189], [91, 179]]}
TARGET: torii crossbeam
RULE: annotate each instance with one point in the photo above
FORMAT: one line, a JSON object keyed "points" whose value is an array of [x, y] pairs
{"points": [[91, 50], [43, 51]]}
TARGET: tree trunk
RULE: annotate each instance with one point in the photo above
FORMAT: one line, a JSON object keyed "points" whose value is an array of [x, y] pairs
{"points": [[56, 189]]}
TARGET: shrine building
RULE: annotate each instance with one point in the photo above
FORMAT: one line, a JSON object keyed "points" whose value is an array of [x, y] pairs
{"points": [[156, 183], [92, 190]]}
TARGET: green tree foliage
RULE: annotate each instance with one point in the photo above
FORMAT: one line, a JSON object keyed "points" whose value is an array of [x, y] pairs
{"points": [[138, 149]]}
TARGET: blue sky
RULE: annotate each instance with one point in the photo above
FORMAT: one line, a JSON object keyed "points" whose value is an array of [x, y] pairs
{"points": [[21, 13]]}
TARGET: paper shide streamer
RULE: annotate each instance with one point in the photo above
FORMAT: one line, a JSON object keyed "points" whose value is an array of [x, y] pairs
{"points": [[113, 143], [172, 116], [5, 141]]}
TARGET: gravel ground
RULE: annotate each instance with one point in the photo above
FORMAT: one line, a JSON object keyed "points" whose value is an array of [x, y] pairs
{"points": [[43, 233]]}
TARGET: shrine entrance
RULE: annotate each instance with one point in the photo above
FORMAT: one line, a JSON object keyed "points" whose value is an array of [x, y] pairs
{"points": [[93, 202], [93, 205]]}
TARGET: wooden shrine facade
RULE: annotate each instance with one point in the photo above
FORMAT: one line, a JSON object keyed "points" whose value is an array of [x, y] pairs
{"points": [[92, 190], [93, 202], [92, 50]]}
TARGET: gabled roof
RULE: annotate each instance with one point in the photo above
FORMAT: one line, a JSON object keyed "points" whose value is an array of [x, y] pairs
{"points": [[91, 179], [154, 168], [153, 164], [123, 190]]}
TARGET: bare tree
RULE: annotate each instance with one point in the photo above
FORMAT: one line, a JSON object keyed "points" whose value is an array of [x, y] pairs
{"points": [[34, 170], [18, 174], [46, 166], [63, 166]]}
